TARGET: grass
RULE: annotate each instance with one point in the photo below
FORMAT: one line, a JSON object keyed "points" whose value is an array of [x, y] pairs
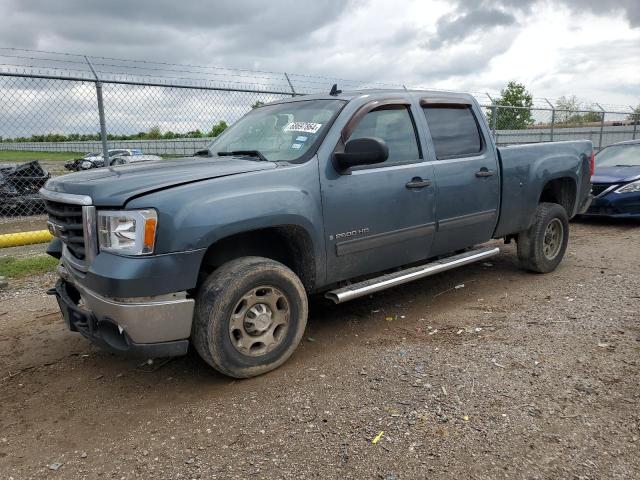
{"points": [[12, 267], [27, 156]]}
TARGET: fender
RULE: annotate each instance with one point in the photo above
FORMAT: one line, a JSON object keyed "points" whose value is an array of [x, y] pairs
{"points": [[197, 215], [523, 180]]}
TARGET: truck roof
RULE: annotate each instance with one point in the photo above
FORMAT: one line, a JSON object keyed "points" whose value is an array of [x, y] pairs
{"points": [[375, 92]]}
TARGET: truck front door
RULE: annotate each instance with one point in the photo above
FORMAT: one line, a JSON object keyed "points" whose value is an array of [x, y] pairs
{"points": [[379, 216], [467, 175]]}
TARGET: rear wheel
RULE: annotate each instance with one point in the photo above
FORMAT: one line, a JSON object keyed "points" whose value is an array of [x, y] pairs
{"points": [[542, 247], [250, 316]]}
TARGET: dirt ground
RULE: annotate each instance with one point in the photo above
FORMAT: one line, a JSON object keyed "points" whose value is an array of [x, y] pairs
{"points": [[513, 375], [22, 224]]}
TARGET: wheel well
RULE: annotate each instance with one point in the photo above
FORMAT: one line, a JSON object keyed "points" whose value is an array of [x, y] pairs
{"points": [[290, 245], [561, 191]]}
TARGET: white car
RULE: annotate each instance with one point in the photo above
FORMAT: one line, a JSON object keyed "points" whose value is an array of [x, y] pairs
{"points": [[118, 156]]}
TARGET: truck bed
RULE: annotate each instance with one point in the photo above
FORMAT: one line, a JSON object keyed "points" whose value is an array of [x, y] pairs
{"points": [[527, 169]]}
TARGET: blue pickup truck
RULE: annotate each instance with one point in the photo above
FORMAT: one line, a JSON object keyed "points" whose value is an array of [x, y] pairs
{"points": [[342, 194]]}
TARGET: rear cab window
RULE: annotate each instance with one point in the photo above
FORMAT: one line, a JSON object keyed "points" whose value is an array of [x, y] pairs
{"points": [[454, 129]]}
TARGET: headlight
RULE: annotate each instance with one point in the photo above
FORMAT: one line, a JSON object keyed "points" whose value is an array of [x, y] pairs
{"points": [[86, 165], [128, 232], [632, 187]]}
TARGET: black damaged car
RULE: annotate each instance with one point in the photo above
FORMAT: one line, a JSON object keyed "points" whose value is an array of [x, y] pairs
{"points": [[19, 185]]}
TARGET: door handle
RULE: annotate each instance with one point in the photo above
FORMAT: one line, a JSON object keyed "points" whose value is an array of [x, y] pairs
{"points": [[417, 182], [483, 173]]}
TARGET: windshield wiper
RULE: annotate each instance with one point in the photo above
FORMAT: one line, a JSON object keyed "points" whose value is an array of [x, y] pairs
{"points": [[623, 165], [244, 153]]}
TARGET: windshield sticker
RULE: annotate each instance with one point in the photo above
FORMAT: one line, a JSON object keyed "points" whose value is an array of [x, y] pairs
{"points": [[301, 138], [306, 127], [296, 146]]}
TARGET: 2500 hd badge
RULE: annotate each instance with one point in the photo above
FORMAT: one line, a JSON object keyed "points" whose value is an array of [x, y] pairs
{"points": [[352, 233]]}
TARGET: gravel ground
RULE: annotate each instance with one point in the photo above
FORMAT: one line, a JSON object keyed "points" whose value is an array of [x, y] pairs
{"points": [[513, 375]]}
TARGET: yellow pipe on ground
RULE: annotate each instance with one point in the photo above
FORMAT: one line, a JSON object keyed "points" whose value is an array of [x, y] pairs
{"points": [[24, 238]]}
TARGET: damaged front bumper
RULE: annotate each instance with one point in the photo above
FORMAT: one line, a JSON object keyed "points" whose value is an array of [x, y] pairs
{"points": [[145, 326]]}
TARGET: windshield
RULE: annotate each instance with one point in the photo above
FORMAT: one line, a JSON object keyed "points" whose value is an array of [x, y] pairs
{"points": [[284, 131], [619, 156]]}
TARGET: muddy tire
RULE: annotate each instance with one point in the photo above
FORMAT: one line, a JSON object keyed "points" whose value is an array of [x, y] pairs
{"points": [[249, 317], [542, 246]]}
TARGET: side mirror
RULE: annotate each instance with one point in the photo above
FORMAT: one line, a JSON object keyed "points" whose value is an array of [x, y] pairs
{"points": [[362, 151]]}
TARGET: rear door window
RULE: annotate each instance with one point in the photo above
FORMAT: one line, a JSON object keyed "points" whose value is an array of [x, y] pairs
{"points": [[454, 130]]}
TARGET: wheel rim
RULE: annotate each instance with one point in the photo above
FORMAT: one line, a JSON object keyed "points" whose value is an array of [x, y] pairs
{"points": [[259, 321], [553, 237]]}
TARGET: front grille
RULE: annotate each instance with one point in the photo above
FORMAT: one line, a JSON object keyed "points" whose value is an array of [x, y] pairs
{"points": [[598, 188], [68, 221]]}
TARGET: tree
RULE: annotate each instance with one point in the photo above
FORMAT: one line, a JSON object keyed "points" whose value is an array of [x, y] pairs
{"points": [[154, 133], [569, 111], [218, 128], [566, 107], [635, 115], [593, 115], [513, 95]]}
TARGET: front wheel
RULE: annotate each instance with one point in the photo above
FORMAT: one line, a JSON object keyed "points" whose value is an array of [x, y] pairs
{"points": [[542, 247], [250, 316]]}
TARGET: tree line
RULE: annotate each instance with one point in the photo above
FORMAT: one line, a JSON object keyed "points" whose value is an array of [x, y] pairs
{"points": [[569, 111], [154, 133]]}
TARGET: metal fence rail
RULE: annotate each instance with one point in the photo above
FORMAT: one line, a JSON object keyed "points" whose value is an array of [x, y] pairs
{"points": [[55, 108]]}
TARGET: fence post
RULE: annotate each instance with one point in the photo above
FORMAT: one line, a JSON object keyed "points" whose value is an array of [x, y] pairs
{"points": [[553, 117], [103, 124], [634, 118], [601, 126], [494, 119], [293, 90]]}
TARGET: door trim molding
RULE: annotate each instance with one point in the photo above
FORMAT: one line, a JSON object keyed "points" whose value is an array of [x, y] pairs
{"points": [[466, 220], [378, 240]]}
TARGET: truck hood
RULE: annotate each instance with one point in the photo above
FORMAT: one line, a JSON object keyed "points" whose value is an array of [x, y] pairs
{"points": [[615, 174], [113, 186]]}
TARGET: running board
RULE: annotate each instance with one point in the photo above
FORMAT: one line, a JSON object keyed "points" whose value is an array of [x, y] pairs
{"points": [[389, 280]]}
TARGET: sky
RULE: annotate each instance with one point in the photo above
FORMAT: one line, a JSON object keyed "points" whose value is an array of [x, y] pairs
{"points": [[590, 48], [587, 48]]}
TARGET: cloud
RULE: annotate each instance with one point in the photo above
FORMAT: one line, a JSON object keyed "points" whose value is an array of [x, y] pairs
{"points": [[165, 29], [629, 9], [455, 28], [555, 47]]}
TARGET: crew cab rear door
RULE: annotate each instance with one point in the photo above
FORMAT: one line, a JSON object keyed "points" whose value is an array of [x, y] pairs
{"points": [[467, 174], [382, 215]]}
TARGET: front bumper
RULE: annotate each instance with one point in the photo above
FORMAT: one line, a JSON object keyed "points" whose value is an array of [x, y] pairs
{"points": [[615, 205], [151, 327]]}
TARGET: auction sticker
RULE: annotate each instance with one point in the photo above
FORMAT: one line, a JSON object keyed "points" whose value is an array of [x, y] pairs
{"points": [[306, 127]]}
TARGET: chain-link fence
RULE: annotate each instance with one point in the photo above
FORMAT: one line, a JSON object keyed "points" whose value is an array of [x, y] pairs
{"points": [[60, 113]]}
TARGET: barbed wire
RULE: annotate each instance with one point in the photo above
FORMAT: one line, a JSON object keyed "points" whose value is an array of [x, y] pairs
{"points": [[41, 62]]}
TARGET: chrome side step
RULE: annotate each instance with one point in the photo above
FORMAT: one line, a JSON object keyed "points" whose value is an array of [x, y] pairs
{"points": [[389, 280]]}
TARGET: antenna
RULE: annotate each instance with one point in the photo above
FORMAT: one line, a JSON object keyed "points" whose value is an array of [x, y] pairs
{"points": [[334, 90]]}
